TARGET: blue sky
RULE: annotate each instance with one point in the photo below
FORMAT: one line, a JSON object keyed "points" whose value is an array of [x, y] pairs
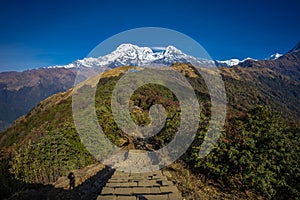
{"points": [[42, 33]]}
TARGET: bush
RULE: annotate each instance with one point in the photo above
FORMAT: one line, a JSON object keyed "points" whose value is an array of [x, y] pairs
{"points": [[259, 152], [52, 156]]}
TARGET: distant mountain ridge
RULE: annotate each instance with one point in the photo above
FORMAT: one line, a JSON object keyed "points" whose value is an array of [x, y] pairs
{"points": [[274, 56], [287, 64], [133, 55], [21, 91]]}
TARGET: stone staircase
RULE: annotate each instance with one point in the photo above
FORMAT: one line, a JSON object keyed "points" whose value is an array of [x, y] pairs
{"points": [[136, 161], [137, 179], [139, 186]]}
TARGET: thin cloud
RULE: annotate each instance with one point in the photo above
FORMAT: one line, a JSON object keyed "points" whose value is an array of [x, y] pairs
{"points": [[159, 48]]}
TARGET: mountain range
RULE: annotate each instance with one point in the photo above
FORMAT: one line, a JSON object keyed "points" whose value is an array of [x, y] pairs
{"points": [[133, 55], [258, 149], [21, 91]]}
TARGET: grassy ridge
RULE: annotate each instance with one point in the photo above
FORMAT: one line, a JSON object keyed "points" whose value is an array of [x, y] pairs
{"points": [[258, 151]]}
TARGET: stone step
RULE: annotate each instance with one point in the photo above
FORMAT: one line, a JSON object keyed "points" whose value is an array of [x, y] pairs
{"points": [[138, 190], [141, 197], [139, 186]]}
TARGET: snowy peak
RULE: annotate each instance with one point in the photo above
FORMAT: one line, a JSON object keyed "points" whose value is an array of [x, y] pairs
{"points": [[86, 62], [230, 62], [133, 55], [173, 50], [129, 54], [274, 56], [248, 58], [130, 49]]}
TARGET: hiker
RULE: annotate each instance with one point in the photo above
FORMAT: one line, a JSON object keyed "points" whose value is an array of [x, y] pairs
{"points": [[126, 155], [71, 176]]}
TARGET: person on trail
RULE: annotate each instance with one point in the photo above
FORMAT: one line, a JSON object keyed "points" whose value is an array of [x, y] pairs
{"points": [[126, 155], [71, 176]]}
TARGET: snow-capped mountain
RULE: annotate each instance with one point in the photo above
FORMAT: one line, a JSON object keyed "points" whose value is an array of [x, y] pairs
{"points": [[86, 62], [230, 62], [129, 54], [227, 63], [233, 62], [274, 56]]}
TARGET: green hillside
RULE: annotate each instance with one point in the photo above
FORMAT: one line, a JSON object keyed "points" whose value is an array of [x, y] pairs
{"points": [[258, 150]]}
